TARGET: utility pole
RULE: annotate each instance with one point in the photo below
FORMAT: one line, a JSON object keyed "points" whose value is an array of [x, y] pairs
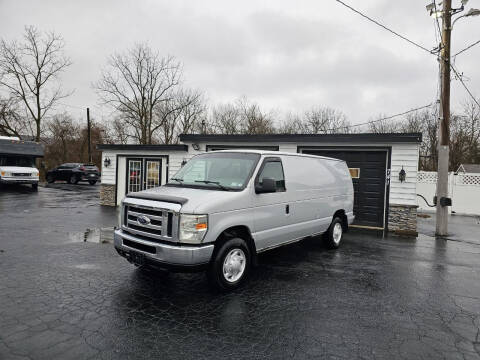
{"points": [[443, 200], [89, 137]]}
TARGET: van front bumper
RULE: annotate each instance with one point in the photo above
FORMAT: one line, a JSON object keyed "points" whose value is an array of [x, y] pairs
{"points": [[19, 180], [173, 257]]}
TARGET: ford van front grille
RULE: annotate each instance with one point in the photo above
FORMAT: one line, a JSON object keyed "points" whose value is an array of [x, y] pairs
{"points": [[154, 224]]}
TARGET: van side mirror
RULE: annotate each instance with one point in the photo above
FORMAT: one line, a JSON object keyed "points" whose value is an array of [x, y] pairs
{"points": [[268, 185]]}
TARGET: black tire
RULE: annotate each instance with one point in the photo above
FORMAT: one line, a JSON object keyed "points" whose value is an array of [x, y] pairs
{"points": [[92, 182], [50, 179], [35, 187], [331, 235], [73, 179], [216, 275]]}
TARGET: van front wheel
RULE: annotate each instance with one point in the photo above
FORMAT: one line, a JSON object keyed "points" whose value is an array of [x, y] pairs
{"points": [[231, 265], [334, 234]]}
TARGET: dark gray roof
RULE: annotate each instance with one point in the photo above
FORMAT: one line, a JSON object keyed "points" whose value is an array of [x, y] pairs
{"points": [[470, 168], [19, 147], [339, 138], [177, 147]]}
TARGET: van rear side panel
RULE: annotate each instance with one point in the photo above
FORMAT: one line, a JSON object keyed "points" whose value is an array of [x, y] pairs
{"points": [[316, 189]]}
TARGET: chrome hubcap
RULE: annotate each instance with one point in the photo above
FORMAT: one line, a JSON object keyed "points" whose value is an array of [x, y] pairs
{"points": [[337, 233], [234, 265]]}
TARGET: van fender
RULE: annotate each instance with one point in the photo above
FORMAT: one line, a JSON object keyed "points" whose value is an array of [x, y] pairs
{"points": [[222, 227]]}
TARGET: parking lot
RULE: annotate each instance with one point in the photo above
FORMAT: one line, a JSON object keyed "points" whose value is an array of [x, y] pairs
{"points": [[62, 297]]}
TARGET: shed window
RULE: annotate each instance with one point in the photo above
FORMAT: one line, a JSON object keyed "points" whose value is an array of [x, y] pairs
{"points": [[354, 173]]}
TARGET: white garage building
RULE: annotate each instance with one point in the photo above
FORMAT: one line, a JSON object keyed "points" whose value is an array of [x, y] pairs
{"points": [[384, 199]]}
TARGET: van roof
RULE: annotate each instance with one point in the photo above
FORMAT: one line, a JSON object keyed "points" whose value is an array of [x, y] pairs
{"points": [[276, 153]]}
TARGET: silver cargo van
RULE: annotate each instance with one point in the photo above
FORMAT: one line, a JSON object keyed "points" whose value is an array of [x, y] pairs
{"points": [[223, 208]]}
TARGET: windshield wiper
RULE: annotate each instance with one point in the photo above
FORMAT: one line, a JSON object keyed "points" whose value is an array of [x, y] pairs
{"points": [[213, 182], [177, 179]]}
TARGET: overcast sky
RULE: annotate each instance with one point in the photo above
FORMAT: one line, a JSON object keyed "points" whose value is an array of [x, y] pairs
{"points": [[286, 55]]}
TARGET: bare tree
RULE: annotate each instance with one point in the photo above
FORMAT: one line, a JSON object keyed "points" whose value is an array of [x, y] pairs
{"points": [[12, 123], [425, 122], [193, 112], [180, 114], [68, 141], [225, 119], [317, 120], [465, 136], [240, 117], [253, 119], [380, 125], [62, 130], [118, 132], [471, 113], [135, 83], [292, 124], [28, 70], [429, 155], [324, 120]]}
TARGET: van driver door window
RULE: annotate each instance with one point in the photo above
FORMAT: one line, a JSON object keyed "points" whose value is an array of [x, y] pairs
{"points": [[273, 170]]}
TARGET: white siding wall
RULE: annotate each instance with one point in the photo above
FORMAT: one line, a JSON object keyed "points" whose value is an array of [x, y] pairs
{"points": [[108, 173], [288, 147], [175, 162], [405, 155]]}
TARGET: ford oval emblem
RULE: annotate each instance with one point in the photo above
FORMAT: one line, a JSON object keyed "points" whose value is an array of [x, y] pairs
{"points": [[143, 220]]}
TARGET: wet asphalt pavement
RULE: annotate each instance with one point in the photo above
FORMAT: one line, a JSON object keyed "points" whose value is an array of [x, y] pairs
{"points": [[61, 298]]}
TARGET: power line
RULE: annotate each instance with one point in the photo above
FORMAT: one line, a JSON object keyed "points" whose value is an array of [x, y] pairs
{"points": [[382, 119], [468, 47], [71, 106], [385, 27], [464, 85], [78, 107]]}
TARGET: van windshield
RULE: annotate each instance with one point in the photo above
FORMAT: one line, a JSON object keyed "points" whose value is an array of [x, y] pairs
{"points": [[219, 171], [17, 161]]}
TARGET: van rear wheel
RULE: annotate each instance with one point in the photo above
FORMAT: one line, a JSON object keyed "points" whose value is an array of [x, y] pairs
{"points": [[334, 234], [230, 265]]}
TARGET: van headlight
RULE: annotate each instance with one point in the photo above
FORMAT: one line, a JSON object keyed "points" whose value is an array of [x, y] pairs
{"points": [[192, 228]]}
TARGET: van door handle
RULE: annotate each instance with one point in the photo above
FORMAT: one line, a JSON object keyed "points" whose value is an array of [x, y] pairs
{"points": [[287, 209]]}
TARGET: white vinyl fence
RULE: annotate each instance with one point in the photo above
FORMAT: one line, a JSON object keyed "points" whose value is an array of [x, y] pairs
{"points": [[464, 189]]}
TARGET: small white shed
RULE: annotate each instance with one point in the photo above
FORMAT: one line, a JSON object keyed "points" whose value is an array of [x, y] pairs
{"points": [[383, 198], [130, 168]]}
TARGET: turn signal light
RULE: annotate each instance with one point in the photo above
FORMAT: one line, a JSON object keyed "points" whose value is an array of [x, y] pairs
{"points": [[201, 226]]}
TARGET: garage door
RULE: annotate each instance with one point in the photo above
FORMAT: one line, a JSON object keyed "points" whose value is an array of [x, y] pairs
{"points": [[368, 169]]}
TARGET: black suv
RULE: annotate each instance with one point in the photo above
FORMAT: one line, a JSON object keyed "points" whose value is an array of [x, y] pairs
{"points": [[73, 173]]}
